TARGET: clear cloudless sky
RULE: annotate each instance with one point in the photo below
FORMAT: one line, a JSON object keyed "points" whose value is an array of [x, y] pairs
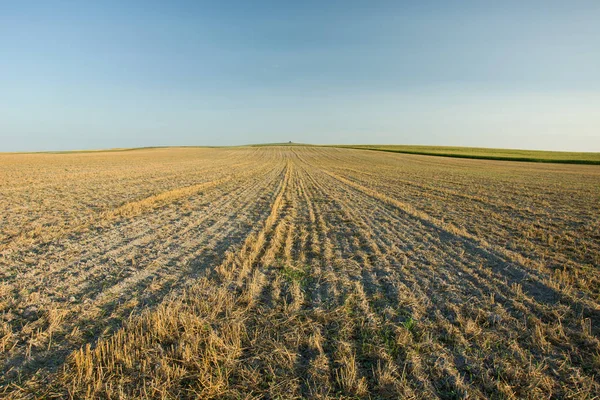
{"points": [[105, 74]]}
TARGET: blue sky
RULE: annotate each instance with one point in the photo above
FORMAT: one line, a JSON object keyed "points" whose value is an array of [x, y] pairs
{"points": [[514, 74]]}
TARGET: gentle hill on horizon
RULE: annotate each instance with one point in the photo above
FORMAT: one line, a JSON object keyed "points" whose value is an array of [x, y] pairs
{"points": [[483, 153]]}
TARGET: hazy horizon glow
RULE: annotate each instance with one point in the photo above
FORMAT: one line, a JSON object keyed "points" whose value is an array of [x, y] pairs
{"points": [[506, 75]]}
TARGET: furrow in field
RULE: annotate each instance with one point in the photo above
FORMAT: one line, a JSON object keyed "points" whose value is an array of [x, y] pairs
{"points": [[271, 338], [445, 276], [103, 239], [536, 282], [348, 341], [415, 187], [419, 239], [86, 265], [560, 240], [519, 268], [510, 221], [320, 352], [127, 210], [375, 357], [101, 188], [399, 300], [312, 358], [231, 302], [160, 273]]}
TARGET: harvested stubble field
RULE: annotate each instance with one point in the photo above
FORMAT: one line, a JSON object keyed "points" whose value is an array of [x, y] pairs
{"points": [[297, 272]]}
